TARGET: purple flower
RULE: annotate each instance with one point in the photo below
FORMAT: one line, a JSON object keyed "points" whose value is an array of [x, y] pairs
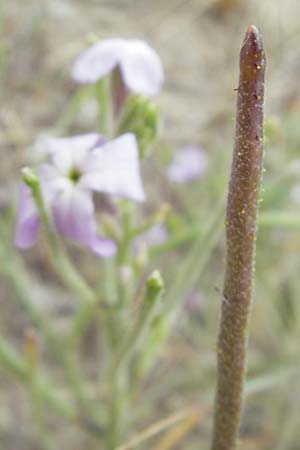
{"points": [[194, 301], [156, 235], [78, 166], [138, 63], [188, 164]]}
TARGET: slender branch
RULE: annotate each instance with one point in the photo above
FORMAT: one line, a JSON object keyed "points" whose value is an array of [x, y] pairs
{"points": [[240, 233], [61, 263], [158, 427], [153, 293], [103, 94], [49, 393], [118, 374]]}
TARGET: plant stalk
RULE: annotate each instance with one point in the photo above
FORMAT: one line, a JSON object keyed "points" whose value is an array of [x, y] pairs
{"points": [[242, 203], [119, 373]]}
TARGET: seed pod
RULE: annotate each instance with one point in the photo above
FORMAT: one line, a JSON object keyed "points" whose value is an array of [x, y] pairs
{"points": [[242, 204]]}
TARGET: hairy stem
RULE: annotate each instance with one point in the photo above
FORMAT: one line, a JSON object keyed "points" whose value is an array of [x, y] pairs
{"points": [[240, 236]]}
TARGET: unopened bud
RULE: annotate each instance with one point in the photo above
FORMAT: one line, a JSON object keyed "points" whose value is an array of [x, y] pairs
{"points": [[30, 177], [141, 117], [154, 286]]}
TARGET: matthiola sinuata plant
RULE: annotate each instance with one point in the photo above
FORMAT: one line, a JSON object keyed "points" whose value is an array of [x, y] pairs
{"points": [[61, 195]]}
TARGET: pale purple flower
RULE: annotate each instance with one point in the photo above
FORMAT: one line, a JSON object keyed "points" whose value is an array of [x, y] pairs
{"points": [[78, 166], [156, 235], [139, 65], [188, 164]]}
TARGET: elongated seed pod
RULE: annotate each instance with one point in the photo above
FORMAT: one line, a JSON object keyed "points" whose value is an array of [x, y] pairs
{"points": [[242, 203]]}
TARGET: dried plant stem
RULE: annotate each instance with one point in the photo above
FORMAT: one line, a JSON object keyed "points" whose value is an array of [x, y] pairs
{"points": [[240, 236], [159, 427]]}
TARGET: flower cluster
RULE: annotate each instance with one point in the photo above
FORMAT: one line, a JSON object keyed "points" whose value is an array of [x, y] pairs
{"points": [[81, 165]]}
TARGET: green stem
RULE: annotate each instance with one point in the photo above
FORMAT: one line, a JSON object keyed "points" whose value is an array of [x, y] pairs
{"points": [[192, 267], [61, 263], [119, 369], [188, 273], [72, 108], [109, 288], [46, 391], [22, 285], [123, 256], [36, 402], [153, 293], [20, 282], [118, 405], [103, 93], [105, 309]]}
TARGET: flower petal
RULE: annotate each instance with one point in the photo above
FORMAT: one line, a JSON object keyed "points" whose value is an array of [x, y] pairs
{"points": [[114, 169], [97, 61], [71, 151], [141, 68], [73, 212], [188, 164], [156, 235], [105, 248], [27, 221], [52, 182]]}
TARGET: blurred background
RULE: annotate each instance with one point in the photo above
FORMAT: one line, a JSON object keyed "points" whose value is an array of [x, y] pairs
{"points": [[199, 42]]}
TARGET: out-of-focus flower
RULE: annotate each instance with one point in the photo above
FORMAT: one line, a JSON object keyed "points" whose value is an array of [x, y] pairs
{"points": [[156, 235], [188, 164], [139, 64], [78, 166]]}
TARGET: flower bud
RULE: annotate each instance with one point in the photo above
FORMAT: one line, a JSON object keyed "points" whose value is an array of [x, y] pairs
{"points": [[30, 178], [154, 286], [141, 117]]}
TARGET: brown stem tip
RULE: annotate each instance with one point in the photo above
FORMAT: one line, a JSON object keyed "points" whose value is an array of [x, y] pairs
{"points": [[253, 37]]}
